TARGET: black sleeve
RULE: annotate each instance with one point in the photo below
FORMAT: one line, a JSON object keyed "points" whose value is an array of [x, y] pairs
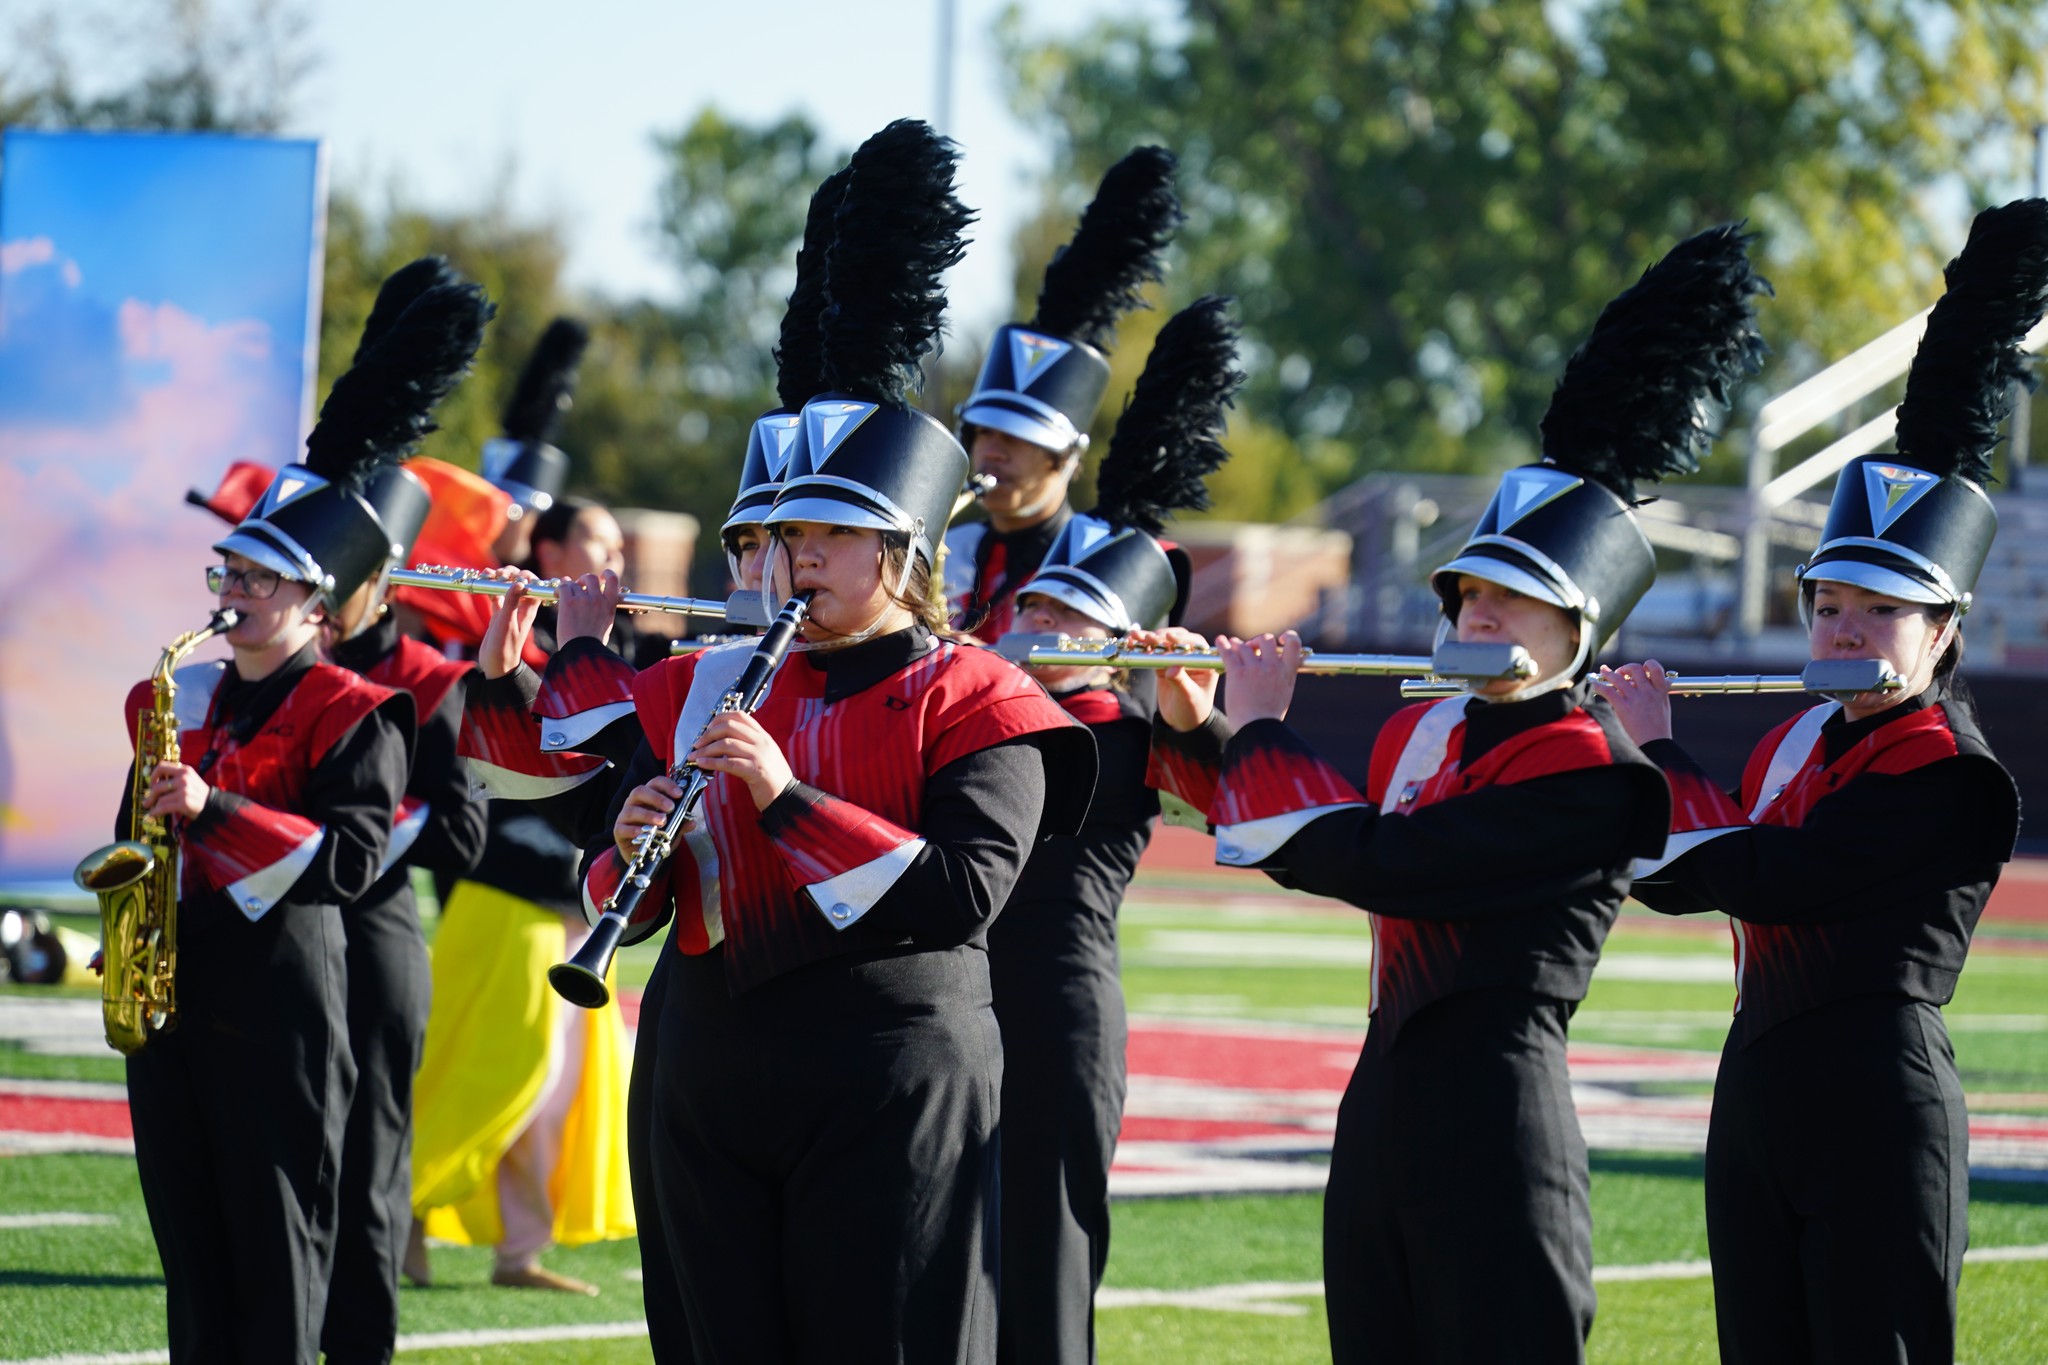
{"points": [[518, 689], [981, 816], [353, 793], [124, 822], [616, 742], [1877, 834], [453, 838], [642, 768], [1496, 851], [1203, 745], [1666, 896], [1121, 755]]}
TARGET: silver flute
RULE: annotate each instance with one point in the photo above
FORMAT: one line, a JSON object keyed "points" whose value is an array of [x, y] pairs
{"points": [[1824, 677], [742, 608], [1452, 662]]}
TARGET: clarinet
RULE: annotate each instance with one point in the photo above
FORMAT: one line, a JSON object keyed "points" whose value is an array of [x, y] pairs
{"points": [[581, 980]]}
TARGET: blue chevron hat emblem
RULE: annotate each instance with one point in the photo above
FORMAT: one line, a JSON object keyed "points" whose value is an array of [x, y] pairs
{"points": [[1891, 489], [1031, 355], [828, 424], [1522, 491]]}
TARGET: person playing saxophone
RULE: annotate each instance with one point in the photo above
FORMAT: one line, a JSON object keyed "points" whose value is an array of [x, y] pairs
{"points": [[289, 777]]}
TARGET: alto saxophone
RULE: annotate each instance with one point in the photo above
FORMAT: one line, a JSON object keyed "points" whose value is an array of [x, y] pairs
{"points": [[136, 879]]}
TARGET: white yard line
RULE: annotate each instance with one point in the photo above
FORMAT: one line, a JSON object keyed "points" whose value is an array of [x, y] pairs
{"points": [[1266, 1298], [11, 1221], [417, 1341], [63, 1090], [1270, 1298]]}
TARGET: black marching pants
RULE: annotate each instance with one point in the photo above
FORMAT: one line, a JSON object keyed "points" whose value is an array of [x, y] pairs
{"points": [[1063, 1102], [238, 1116], [1838, 1188], [1457, 1226], [826, 1163], [389, 990], [668, 1331]]}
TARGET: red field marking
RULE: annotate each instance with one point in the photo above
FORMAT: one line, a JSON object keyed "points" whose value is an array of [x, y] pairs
{"points": [[1141, 1129], [1252, 1060], [1176, 848], [2021, 896], [41, 1114]]}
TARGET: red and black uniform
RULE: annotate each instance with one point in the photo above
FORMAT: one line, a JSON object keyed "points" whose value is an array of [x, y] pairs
{"points": [[441, 829], [1853, 863], [529, 855], [1492, 846], [829, 1063], [985, 567], [239, 1110], [1053, 962]]}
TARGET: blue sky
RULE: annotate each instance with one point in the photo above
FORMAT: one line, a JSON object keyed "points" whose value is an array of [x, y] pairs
{"points": [[88, 194], [218, 227], [552, 104]]}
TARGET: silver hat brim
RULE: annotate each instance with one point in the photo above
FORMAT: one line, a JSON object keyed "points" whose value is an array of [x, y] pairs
{"points": [[1876, 578], [1013, 423], [258, 550], [1507, 576]]}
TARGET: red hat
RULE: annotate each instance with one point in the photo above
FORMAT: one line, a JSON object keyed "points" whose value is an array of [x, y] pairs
{"points": [[239, 489]]}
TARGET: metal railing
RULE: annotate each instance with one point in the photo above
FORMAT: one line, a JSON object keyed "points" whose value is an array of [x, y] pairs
{"points": [[1797, 411]]}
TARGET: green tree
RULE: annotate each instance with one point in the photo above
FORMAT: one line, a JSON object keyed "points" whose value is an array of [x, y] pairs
{"points": [[190, 66], [518, 264], [1421, 204]]}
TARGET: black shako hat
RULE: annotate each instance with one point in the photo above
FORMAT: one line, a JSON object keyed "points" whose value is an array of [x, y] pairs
{"points": [[337, 519], [865, 457], [1636, 401], [1917, 524], [524, 461], [1109, 564], [772, 442], [1043, 380]]}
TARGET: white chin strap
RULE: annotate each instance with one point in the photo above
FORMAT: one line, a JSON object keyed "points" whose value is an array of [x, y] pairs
{"points": [[1554, 683], [1941, 644], [771, 607], [373, 610]]}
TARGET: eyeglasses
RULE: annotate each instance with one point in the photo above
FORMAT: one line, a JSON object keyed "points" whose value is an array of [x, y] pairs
{"points": [[256, 584]]}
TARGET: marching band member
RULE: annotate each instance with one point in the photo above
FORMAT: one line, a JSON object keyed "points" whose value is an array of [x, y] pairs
{"points": [[524, 461], [829, 1065], [296, 772], [770, 444], [439, 828], [519, 1143], [1853, 863], [1053, 953], [1026, 423], [1492, 845]]}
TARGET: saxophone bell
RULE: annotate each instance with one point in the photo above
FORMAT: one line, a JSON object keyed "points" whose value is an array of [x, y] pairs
{"points": [[136, 879], [133, 958]]}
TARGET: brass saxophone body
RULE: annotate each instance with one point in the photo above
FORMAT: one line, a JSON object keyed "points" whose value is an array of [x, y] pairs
{"points": [[136, 879]]}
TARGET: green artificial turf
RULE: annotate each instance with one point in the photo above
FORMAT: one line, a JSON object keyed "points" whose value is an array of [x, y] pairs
{"points": [[1190, 949]]}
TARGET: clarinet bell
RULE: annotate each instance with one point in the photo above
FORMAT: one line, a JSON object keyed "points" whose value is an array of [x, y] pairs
{"points": [[581, 980]]}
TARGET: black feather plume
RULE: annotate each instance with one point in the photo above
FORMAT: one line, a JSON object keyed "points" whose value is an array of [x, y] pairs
{"points": [[897, 230], [396, 294], [1170, 436], [1960, 389], [1637, 399], [542, 394], [1100, 275], [799, 368], [383, 405]]}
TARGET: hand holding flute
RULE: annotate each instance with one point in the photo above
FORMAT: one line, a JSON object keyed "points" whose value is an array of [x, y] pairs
{"points": [[585, 606]]}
